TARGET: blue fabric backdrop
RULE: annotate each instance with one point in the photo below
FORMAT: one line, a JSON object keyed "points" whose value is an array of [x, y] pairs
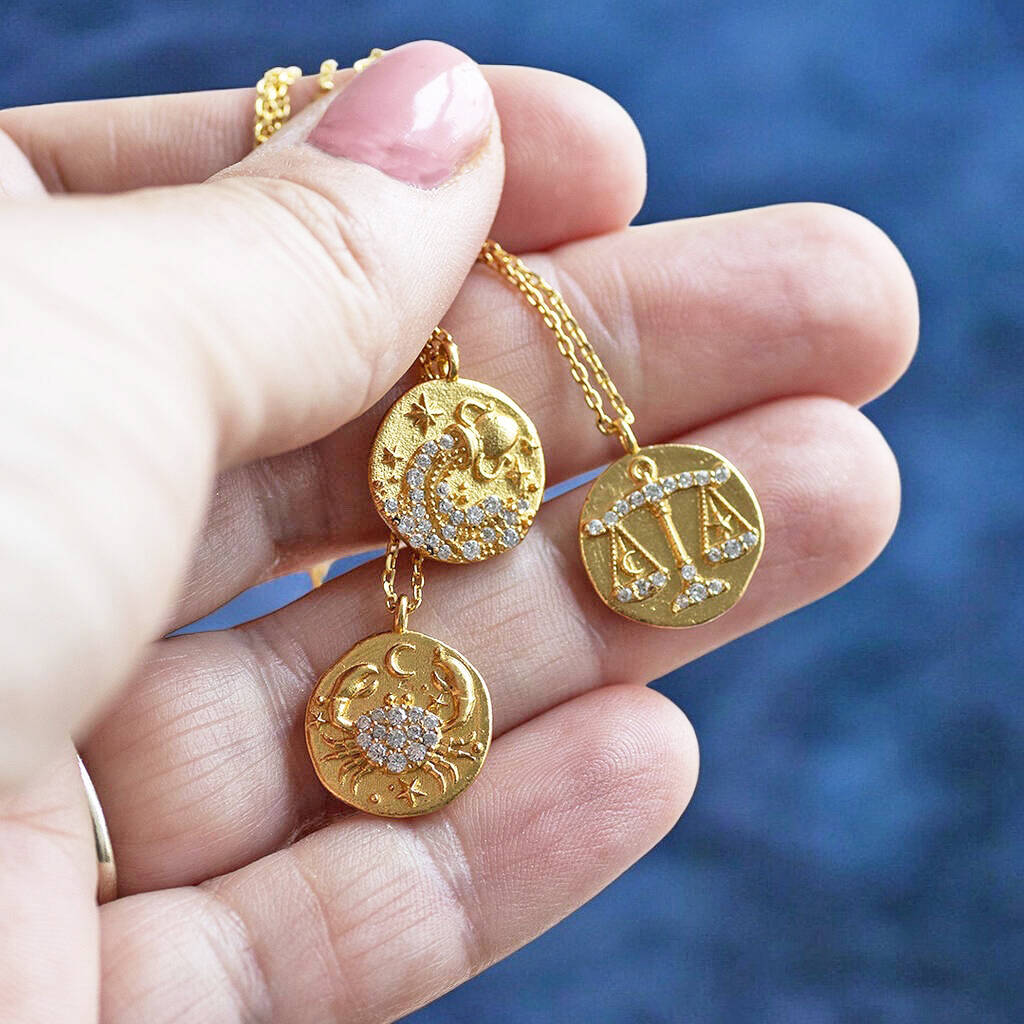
{"points": [[853, 852]]}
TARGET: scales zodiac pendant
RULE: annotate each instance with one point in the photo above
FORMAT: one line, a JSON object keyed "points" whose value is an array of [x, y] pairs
{"points": [[399, 726], [671, 535], [456, 468]]}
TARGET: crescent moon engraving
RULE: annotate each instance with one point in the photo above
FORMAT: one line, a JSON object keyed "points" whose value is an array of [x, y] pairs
{"points": [[391, 661], [629, 565]]}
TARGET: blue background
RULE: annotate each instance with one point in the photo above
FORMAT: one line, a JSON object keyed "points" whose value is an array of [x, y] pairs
{"points": [[853, 852]]}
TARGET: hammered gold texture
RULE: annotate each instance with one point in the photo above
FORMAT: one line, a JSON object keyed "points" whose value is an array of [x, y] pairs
{"points": [[457, 471], [409, 681], [670, 536]]}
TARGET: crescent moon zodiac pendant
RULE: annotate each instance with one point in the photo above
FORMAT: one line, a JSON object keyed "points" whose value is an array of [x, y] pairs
{"points": [[399, 726], [670, 536], [456, 470]]}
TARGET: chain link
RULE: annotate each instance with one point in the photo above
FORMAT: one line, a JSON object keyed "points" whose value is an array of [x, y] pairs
{"points": [[273, 106], [571, 339], [387, 577]]}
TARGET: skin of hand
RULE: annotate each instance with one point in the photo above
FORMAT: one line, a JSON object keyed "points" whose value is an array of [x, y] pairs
{"points": [[198, 342]]}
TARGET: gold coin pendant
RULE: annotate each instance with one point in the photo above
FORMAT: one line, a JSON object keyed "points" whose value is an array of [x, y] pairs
{"points": [[457, 471], [670, 536], [399, 726]]}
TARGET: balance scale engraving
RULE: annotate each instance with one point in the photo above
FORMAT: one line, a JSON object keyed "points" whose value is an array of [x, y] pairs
{"points": [[636, 572]]}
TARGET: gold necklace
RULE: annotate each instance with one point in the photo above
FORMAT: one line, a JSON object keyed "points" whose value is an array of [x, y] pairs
{"points": [[401, 723], [650, 511]]}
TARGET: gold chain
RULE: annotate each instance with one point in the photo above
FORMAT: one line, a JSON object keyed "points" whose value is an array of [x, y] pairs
{"points": [[571, 339], [401, 604], [273, 107]]}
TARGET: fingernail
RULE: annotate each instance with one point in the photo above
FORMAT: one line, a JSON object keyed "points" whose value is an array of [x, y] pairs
{"points": [[417, 114]]}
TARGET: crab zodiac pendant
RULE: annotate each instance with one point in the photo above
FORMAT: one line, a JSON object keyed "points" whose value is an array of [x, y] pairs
{"points": [[399, 726], [457, 471], [670, 536]]}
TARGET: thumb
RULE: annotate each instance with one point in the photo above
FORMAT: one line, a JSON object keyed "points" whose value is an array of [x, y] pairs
{"points": [[174, 331]]}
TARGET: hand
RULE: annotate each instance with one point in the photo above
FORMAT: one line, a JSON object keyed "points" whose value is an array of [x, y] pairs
{"points": [[192, 373]]}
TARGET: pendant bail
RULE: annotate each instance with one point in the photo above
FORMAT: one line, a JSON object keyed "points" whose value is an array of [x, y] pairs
{"points": [[402, 614], [626, 436]]}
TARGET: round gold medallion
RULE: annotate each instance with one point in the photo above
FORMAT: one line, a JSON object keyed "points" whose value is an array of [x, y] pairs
{"points": [[457, 471], [671, 536], [399, 726]]}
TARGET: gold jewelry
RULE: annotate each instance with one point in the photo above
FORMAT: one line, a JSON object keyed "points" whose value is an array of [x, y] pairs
{"points": [[401, 723], [106, 874], [650, 509]]}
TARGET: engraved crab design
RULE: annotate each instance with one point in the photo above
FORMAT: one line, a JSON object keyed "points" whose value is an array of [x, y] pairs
{"points": [[398, 736]]}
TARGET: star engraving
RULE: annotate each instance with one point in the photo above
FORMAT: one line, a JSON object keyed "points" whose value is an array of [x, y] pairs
{"points": [[439, 702], [527, 445], [516, 473], [409, 791], [422, 415], [389, 458]]}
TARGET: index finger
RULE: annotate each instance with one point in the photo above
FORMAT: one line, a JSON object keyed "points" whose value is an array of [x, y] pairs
{"points": [[575, 162]]}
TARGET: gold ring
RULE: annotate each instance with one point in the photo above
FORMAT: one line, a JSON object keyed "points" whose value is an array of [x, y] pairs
{"points": [[106, 875]]}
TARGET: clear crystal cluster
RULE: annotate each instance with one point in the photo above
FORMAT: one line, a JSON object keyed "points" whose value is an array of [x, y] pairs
{"points": [[472, 533], [652, 493], [640, 590], [733, 547], [398, 737], [698, 591]]}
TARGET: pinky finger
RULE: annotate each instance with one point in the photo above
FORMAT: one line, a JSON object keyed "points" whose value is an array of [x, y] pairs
{"points": [[366, 920]]}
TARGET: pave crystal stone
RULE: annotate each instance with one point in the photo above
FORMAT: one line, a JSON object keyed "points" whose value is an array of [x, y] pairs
{"points": [[491, 505], [431, 721], [636, 499], [416, 540], [653, 492], [642, 588], [670, 484], [697, 592], [509, 538], [443, 489], [523, 505], [475, 515], [685, 479], [448, 531], [446, 506], [732, 548], [471, 549], [721, 474], [391, 507], [416, 752], [446, 441], [595, 527], [377, 715], [380, 730], [621, 507], [681, 601], [422, 460], [416, 495], [749, 539], [659, 579], [406, 524], [430, 739], [414, 478], [415, 713], [396, 763], [714, 555], [375, 752], [430, 448], [624, 594], [487, 534], [715, 587], [702, 477], [456, 516], [510, 517], [420, 511], [434, 541], [610, 518], [363, 740], [413, 731], [688, 572], [395, 716], [363, 723], [444, 552], [396, 739]]}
